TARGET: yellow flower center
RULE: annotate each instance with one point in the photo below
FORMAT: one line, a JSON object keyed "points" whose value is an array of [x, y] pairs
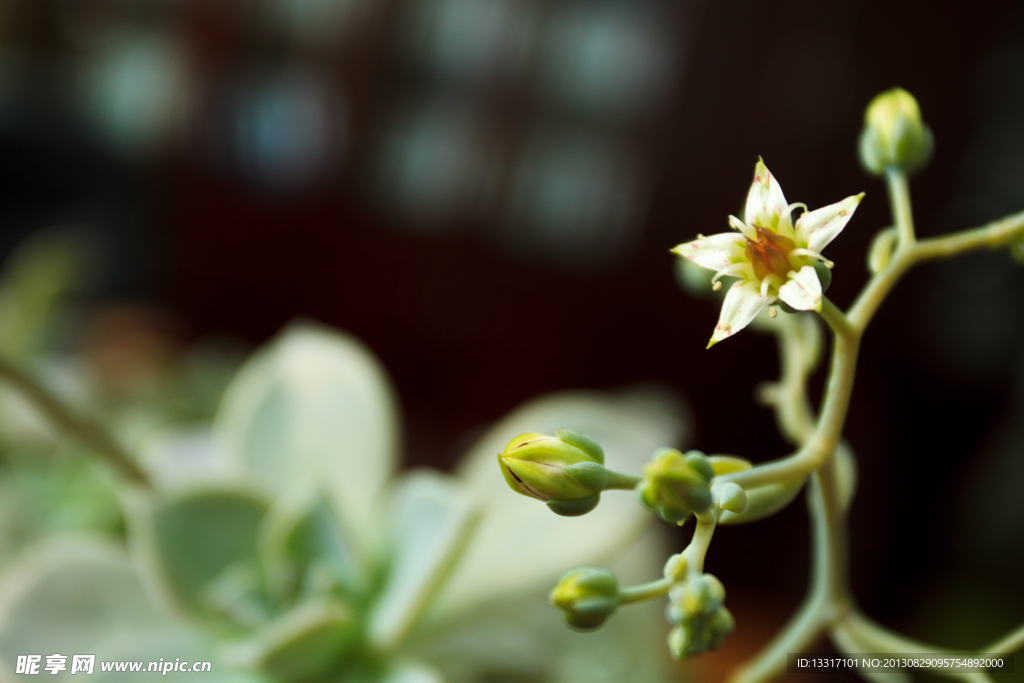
{"points": [[769, 253]]}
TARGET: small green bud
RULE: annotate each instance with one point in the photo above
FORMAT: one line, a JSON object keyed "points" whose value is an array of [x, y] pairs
{"points": [[883, 246], [675, 568], [675, 485], [587, 597], [698, 635], [824, 274], [565, 471], [894, 136], [698, 596], [732, 497]]}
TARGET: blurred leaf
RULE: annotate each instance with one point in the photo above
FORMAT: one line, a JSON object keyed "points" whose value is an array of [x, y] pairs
{"points": [[43, 493], [41, 270], [71, 596], [303, 643], [189, 538], [413, 672], [315, 404], [432, 517], [520, 543], [300, 529]]}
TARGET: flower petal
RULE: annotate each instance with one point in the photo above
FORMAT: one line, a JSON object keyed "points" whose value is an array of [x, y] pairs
{"points": [[714, 252], [314, 403], [742, 304], [817, 228], [521, 545], [765, 201], [803, 290]]}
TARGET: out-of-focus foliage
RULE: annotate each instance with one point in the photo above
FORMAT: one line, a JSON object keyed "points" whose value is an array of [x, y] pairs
{"points": [[278, 541]]}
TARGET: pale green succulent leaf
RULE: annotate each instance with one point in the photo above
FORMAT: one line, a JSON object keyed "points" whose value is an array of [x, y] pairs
{"points": [[315, 403], [520, 545], [413, 672], [432, 517], [75, 595], [189, 538], [304, 643], [302, 528]]}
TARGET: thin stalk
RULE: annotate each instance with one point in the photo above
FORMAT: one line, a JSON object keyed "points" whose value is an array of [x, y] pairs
{"points": [[644, 591], [899, 200], [89, 432], [874, 637], [622, 481], [1008, 644], [699, 544]]}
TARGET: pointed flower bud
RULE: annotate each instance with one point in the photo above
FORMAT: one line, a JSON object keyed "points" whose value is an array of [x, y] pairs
{"points": [[894, 136], [732, 497], [565, 470], [587, 597], [675, 485]]}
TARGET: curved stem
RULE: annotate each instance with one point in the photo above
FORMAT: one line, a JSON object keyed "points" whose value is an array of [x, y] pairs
{"points": [[829, 428], [872, 636], [800, 633], [793, 411], [701, 541], [644, 591], [90, 432], [1008, 644]]}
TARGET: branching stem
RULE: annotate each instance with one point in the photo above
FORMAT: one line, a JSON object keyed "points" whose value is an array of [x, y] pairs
{"points": [[89, 432]]}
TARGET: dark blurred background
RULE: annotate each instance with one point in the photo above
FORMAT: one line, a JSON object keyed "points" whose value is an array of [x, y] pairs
{"points": [[485, 191]]}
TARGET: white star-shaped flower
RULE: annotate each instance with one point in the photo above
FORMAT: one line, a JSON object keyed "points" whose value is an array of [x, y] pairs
{"points": [[772, 257]]}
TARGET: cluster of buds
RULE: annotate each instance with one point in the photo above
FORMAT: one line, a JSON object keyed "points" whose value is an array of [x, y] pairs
{"points": [[701, 621], [676, 484], [566, 471], [587, 597]]}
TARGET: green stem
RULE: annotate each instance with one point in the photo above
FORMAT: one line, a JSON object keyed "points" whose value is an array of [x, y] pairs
{"points": [[699, 544], [793, 410], [991, 236], [90, 432], [803, 629], [622, 481], [644, 591], [899, 200], [829, 542], [873, 637], [1008, 644], [830, 424]]}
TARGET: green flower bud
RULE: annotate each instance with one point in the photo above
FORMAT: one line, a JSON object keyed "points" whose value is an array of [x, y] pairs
{"points": [[732, 498], [587, 597], [675, 567], [698, 635], [697, 597], [565, 471], [675, 485], [883, 246], [894, 136]]}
